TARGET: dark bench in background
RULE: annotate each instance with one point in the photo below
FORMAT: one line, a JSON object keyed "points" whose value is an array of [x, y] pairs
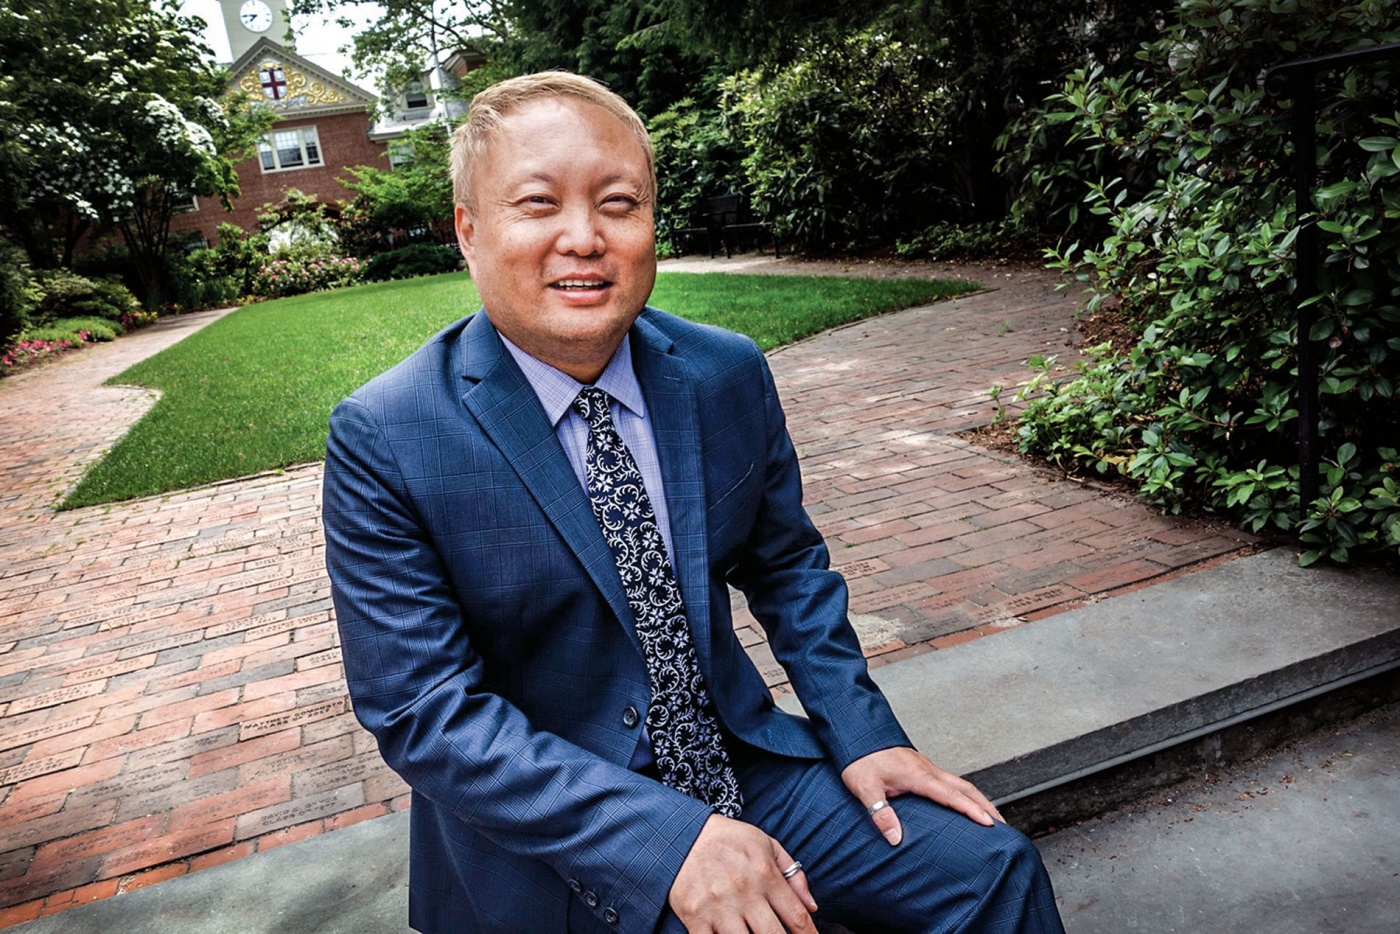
{"points": [[725, 217]]}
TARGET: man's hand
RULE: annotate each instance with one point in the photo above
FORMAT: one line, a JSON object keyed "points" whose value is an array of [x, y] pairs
{"points": [[899, 770], [732, 881]]}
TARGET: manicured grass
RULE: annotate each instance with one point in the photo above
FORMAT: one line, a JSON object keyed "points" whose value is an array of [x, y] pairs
{"points": [[253, 391]]}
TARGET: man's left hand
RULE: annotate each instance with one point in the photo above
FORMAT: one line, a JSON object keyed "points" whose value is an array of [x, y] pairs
{"points": [[884, 775]]}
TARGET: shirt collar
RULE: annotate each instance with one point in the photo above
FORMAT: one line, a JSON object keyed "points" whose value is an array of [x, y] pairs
{"points": [[557, 390]]}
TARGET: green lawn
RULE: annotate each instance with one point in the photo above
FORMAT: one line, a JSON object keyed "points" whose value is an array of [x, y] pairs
{"points": [[252, 391]]}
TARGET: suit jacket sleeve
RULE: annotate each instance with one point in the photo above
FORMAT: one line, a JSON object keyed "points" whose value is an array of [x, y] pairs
{"points": [[802, 605], [419, 686]]}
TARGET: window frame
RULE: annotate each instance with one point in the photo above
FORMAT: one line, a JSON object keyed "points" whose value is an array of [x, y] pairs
{"points": [[274, 151]]}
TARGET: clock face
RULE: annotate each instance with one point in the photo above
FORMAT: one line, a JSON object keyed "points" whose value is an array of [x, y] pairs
{"points": [[255, 15]]}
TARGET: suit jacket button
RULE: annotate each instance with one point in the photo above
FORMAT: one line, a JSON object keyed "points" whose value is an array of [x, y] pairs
{"points": [[630, 717], [590, 898], [609, 916], [575, 886]]}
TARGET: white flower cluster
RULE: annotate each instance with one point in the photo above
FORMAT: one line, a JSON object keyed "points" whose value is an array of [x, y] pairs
{"points": [[176, 133]]}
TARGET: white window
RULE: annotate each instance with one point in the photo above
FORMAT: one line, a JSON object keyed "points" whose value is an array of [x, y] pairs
{"points": [[290, 149], [400, 154], [415, 96], [183, 204]]}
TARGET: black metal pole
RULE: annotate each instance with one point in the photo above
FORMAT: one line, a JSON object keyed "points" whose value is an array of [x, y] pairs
{"points": [[1298, 79], [1306, 285]]}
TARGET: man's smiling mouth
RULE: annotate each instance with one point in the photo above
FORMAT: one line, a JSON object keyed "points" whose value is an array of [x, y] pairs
{"points": [[580, 284]]}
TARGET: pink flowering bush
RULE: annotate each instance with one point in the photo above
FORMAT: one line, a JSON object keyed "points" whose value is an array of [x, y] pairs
{"points": [[296, 276], [31, 351]]}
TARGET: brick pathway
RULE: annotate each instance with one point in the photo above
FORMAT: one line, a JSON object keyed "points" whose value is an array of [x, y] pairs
{"points": [[171, 695]]}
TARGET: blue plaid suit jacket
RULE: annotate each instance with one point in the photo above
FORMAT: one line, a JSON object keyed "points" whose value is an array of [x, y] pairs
{"points": [[489, 647]]}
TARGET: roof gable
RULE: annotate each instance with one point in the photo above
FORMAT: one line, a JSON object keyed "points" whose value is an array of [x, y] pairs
{"points": [[289, 85]]}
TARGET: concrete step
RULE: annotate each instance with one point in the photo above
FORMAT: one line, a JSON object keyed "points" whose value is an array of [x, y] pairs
{"points": [[1090, 690]]}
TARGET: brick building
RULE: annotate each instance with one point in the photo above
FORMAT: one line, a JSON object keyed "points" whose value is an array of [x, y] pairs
{"points": [[324, 123]]}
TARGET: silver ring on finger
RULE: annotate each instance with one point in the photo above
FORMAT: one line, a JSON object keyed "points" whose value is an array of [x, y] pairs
{"points": [[792, 870], [877, 806]]}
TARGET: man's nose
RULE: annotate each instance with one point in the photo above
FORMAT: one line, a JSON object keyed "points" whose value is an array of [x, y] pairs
{"points": [[581, 231]]}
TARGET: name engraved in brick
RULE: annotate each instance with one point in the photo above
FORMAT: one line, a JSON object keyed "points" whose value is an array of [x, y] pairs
{"points": [[272, 629], [56, 728], [160, 645], [299, 812], [57, 696], [239, 625], [1038, 599], [320, 659], [100, 841], [113, 619], [25, 770], [290, 718], [98, 672], [338, 774], [861, 568]]}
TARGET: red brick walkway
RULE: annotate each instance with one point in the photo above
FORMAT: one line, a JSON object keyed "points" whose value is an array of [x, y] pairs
{"points": [[171, 694]]}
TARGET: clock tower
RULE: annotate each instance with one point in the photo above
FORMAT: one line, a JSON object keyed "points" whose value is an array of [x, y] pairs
{"points": [[247, 21]]}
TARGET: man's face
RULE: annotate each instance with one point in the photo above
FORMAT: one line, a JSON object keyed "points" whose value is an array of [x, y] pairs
{"points": [[561, 243]]}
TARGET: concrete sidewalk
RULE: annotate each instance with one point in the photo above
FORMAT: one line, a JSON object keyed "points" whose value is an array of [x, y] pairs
{"points": [[171, 697]]}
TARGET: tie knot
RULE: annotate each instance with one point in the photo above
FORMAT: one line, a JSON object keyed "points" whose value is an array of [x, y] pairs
{"points": [[592, 404]]}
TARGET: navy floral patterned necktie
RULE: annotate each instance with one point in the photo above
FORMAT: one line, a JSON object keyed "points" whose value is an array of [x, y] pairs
{"points": [[681, 721]]}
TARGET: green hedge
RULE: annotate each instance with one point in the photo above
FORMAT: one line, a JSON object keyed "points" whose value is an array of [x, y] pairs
{"points": [[1197, 200]]}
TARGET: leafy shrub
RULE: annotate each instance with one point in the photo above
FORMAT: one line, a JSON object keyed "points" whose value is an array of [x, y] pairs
{"points": [[63, 294], [416, 259], [1198, 258], [17, 293], [298, 275], [844, 144], [77, 331], [697, 157], [971, 241]]}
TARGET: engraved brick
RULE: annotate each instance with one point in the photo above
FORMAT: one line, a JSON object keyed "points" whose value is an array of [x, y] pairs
{"points": [[335, 774], [296, 717], [55, 728], [57, 696], [318, 659], [266, 820], [98, 672], [33, 768]]}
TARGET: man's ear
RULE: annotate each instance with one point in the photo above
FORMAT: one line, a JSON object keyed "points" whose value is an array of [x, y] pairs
{"points": [[466, 232]]}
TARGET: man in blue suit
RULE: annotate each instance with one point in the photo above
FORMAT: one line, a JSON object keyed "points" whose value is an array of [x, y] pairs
{"points": [[531, 526]]}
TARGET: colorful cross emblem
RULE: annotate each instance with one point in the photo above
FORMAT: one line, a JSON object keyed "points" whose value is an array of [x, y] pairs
{"points": [[274, 82]]}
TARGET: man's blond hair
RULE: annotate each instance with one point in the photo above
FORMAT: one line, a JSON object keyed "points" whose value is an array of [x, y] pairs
{"points": [[490, 107]]}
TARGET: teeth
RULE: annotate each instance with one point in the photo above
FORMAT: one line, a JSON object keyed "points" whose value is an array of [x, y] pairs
{"points": [[578, 283]]}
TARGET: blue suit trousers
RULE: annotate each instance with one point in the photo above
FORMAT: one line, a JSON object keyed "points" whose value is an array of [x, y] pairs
{"points": [[949, 874]]}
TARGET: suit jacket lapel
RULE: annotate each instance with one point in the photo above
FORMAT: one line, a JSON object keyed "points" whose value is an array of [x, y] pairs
{"points": [[669, 388], [508, 411]]}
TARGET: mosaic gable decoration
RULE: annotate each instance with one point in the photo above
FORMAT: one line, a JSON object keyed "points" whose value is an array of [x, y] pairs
{"points": [[280, 79], [281, 86]]}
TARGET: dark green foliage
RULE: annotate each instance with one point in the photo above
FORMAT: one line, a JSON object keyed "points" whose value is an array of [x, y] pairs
{"points": [[416, 259], [61, 294], [413, 200], [697, 157], [1199, 258], [844, 146], [17, 293]]}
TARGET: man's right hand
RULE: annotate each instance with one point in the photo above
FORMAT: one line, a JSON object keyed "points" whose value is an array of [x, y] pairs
{"points": [[732, 883]]}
